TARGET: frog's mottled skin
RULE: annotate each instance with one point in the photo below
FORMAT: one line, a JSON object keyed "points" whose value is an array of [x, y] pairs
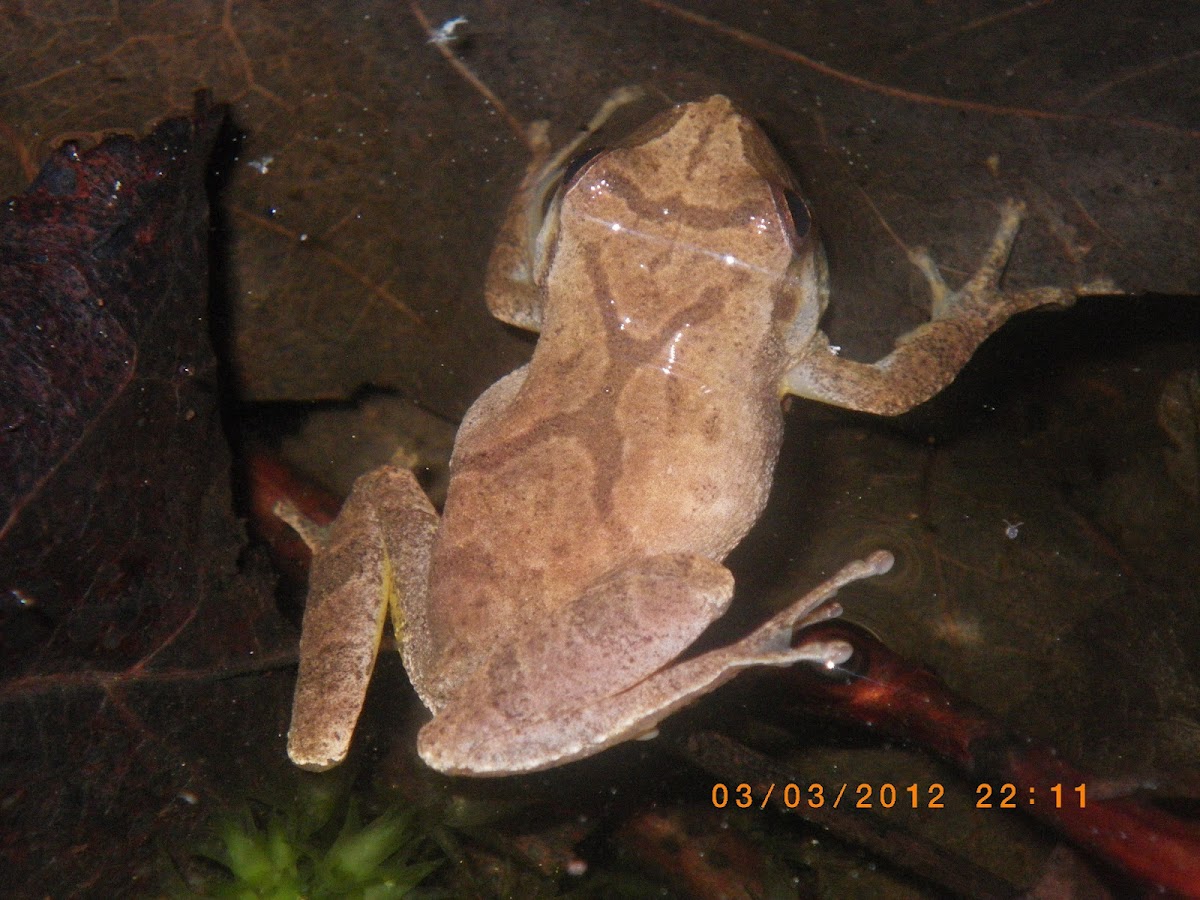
{"points": [[677, 285]]}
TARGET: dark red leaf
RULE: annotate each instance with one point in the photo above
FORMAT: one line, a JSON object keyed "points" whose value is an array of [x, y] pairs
{"points": [[108, 423]]}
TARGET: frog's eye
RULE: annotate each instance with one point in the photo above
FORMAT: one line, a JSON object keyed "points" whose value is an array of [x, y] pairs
{"points": [[575, 167], [570, 172], [796, 212]]}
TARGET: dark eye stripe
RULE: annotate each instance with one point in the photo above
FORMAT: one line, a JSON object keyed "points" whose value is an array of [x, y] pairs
{"points": [[798, 211], [576, 166]]}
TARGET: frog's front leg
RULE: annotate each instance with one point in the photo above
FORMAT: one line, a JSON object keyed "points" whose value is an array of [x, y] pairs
{"points": [[374, 556], [601, 674], [928, 358], [519, 255]]}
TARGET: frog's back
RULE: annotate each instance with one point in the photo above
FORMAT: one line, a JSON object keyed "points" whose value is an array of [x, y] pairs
{"points": [[648, 420], [560, 493]]}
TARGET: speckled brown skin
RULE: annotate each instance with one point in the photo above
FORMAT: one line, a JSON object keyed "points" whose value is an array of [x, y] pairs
{"points": [[648, 420], [928, 358], [677, 285]]}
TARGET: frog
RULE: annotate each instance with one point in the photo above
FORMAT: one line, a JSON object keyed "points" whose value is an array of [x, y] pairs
{"points": [[677, 284]]}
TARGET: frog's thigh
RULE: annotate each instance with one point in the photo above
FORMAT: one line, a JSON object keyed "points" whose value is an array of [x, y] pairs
{"points": [[651, 700], [927, 358], [502, 738], [377, 550], [626, 626]]}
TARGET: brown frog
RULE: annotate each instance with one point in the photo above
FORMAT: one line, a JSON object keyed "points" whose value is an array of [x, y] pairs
{"points": [[677, 285]]}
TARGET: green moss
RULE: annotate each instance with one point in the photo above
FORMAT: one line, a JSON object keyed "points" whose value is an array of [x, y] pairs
{"points": [[297, 852]]}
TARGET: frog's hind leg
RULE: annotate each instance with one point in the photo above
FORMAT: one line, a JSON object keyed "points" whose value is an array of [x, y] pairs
{"points": [[515, 711], [374, 556], [532, 722]]}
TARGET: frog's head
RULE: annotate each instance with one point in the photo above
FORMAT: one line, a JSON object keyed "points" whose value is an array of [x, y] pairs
{"points": [[695, 204]]}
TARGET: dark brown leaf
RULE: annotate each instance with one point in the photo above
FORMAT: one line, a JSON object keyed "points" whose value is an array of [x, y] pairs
{"points": [[108, 397], [123, 611]]}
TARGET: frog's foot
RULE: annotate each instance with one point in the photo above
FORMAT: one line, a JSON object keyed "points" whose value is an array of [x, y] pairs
{"points": [[490, 740], [928, 357], [771, 643], [981, 296], [372, 558], [510, 289], [314, 535], [550, 166], [546, 165]]}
